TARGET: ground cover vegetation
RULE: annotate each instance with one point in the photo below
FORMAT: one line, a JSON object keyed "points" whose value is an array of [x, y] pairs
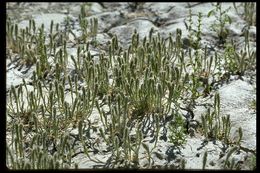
{"points": [[131, 90]]}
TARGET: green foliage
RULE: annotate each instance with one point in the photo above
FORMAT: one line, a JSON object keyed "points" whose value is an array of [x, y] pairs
{"points": [[237, 62], [177, 131], [248, 11], [231, 164], [194, 34], [213, 125], [88, 28], [222, 20], [204, 159], [126, 87]]}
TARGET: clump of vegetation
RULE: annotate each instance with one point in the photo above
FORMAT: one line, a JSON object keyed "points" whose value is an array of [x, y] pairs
{"points": [[222, 20], [133, 91], [248, 10], [194, 33], [177, 131]]}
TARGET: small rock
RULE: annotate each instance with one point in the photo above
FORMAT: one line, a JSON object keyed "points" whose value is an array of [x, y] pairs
{"points": [[124, 34], [159, 7], [74, 132], [143, 27], [96, 8]]}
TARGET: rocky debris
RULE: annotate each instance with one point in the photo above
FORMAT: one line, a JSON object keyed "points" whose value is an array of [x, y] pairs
{"points": [[124, 34], [114, 19], [45, 19]]}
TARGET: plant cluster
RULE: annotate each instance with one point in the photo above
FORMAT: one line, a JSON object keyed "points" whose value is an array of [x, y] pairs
{"points": [[238, 61], [194, 34], [214, 126], [134, 91], [222, 20], [248, 12]]}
